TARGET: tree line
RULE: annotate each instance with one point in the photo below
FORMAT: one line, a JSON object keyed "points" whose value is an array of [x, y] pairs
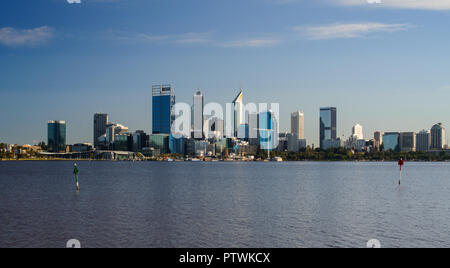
{"points": [[343, 154]]}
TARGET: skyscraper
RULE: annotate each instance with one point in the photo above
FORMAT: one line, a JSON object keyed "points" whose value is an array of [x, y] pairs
{"points": [[100, 124], [268, 130], [56, 136], [378, 140], [199, 104], [215, 128], [253, 128], [297, 124], [423, 141], [140, 140], [328, 124], [357, 132], [238, 113], [437, 137], [163, 105]]}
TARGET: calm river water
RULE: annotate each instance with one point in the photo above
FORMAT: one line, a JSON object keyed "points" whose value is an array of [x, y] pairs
{"points": [[188, 204]]}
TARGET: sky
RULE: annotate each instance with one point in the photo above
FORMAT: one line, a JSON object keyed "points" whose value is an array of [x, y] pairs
{"points": [[383, 64]]}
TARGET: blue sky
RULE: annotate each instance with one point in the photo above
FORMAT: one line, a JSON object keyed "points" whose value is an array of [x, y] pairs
{"points": [[384, 65]]}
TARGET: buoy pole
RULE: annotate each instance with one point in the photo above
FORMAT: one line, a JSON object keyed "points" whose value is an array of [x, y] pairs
{"points": [[401, 162], [75, 172]]}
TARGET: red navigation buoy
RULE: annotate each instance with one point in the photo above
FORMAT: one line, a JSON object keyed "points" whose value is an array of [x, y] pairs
{"points": [[401, 163]]}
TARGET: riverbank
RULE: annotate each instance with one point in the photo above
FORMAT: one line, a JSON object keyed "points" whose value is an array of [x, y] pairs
{"points": [[209, 161]]}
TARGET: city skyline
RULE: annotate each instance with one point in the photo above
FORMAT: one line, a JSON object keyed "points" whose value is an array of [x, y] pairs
{"points": [[372, 62], [168, 91]]}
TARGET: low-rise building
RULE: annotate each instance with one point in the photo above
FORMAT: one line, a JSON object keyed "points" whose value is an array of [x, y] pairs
{"points": [[328, 144], [407, 141], [159, 142], [82, 147], [423, 141], [391, 141]]}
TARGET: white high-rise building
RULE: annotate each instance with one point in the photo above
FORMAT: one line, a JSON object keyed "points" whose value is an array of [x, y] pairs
{"points": [[197, 113], [238, 113], [357, 132], [437, 137], [114, 129], [297, 124]]}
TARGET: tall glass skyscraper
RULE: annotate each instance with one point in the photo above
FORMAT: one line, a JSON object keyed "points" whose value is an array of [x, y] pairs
{"points": [[268, 130], [328, 124], [56, 136], [163, 108], [100, 125], [438, 137]]}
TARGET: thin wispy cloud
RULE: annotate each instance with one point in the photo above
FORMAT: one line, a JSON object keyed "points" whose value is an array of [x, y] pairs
{"points": [[253, 43], [405, 4], [133, 37], [13, 37], [208, 38], [348, 30], [193, 38], [145, 38], [401, 4], [212, 39]]}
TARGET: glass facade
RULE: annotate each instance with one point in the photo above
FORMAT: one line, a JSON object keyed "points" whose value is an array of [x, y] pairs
{"points": [[100, 124], [423, 141], [159, 142], [266, 125], [177, 146], [56, 136], [162, 113], [140, 140], [123, 142], [221, 145], [243, 132], [438, 137], [391, 142], [408, 141], [328, 124]]}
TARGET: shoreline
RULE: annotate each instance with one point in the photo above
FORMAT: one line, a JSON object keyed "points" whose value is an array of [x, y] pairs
{"points": [[238, 161]]}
